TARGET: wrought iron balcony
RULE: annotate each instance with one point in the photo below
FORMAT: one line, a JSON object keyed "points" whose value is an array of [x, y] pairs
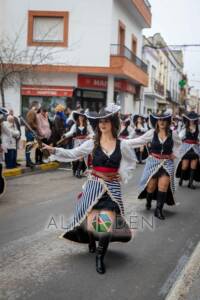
{"points": [[119, 50]]}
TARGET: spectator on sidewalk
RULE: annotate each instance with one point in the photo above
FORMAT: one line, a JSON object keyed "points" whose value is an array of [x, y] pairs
{"points": [[44, 132], [17, 124], [31, 119], [59, 124], [9, 135]]}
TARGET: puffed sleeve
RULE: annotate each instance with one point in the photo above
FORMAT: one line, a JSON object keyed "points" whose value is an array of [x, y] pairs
{"points": [[90, 131], [182, 134], [177, 143], [71, 132], [68, 155], [141, 140]]}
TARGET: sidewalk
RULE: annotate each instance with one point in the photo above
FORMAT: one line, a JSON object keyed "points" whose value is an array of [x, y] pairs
{"points": [[187, 287], [24, 170]]}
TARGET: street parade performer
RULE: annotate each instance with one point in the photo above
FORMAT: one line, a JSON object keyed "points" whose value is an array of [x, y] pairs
{"points": [[125, 129], [140, 127], [80, 132], [158, 182], [188, 167], [99, 213]]}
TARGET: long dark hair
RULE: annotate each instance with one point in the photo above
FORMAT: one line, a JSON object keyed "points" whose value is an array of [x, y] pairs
{"points": [[84, 122], [187, 126], [167, 129], [115, 123], [137, 122]]}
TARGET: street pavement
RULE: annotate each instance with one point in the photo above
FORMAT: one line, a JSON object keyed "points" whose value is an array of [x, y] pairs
{"points": [[36, 264]]}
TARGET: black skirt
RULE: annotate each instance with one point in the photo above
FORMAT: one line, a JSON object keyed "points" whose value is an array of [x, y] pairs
{"points": [[107, 203], [190, 155], [161, 172]]}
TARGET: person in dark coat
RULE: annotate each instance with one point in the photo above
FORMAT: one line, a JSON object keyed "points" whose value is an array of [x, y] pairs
{"points": [[59, 124]]}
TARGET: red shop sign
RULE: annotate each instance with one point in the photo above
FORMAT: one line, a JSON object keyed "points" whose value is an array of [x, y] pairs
{"points": [[54, 91], [92, 82], [101, 83], [124, 86]]}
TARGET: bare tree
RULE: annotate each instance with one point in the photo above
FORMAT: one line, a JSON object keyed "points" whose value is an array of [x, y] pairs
{"points": [[17, 63]]}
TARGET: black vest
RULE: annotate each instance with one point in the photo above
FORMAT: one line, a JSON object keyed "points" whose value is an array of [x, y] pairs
{"points": [[192, 136], [165, 148], [81, 132], [100, 159]]}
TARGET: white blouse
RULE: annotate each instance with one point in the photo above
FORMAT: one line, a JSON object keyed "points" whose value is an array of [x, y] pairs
{"points": [[128, 161], [182, 134], [72, 131]]}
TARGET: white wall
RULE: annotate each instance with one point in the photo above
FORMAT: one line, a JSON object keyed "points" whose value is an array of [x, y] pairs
{"points": [[174, 77], [120, 12], [89, 28], [128, 103], [2, 4], [59, 79], [13, 99]]}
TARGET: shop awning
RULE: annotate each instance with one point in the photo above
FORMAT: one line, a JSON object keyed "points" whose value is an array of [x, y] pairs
{"points": [[48, 91]]}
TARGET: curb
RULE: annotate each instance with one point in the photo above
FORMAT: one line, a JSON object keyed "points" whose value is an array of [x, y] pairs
{"points": [[19, 171], [181, 287]]}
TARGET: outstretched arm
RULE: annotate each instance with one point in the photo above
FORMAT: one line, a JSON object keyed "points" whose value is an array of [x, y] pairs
{"points": [[71, 132], [141, 140], [67, 155], [177, 138]]}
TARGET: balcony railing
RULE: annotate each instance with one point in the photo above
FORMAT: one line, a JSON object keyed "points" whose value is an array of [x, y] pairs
{"points": [[119, 50]]}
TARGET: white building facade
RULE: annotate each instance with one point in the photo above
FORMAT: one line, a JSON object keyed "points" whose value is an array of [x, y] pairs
{"points": [[80, 51], [165, 68]]}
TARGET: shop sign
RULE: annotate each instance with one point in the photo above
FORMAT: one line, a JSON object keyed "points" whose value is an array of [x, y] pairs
{"points": [[48, 91], [101, 83]]}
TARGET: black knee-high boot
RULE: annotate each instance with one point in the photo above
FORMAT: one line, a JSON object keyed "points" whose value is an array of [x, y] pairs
{"points": [[182, 176], [149, 198], [92, 243], [101, 251], [140, 155], [161, 198], [79, 168], [74, 167], [190, 184]]}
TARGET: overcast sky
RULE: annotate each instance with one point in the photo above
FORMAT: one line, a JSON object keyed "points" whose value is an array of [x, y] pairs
{"points": [[179, 23]]}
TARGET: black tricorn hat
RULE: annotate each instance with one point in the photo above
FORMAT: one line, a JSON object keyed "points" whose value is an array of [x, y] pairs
{"points": [[160, 116], [125, 119], [76, 114], [3, 111], [135, 118], [108, 112], [190, 116]]}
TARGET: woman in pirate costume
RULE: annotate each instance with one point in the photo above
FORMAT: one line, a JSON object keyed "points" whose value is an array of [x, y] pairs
{"points": [[126, 131], [139, 129], [189, 167], [99, 213], [80, 132], [157, 181]]}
